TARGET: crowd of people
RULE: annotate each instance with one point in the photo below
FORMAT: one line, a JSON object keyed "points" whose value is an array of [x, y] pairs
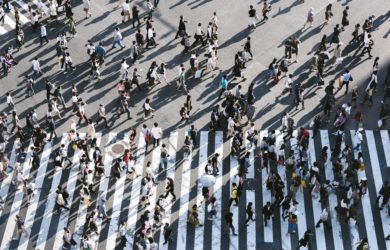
{"points": [[230, 115]]}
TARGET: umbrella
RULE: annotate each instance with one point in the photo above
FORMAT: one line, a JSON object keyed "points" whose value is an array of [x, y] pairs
{"points": [[207, 180]]}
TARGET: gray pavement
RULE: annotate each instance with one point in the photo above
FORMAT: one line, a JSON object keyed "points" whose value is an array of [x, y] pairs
{"points": [[286, 19]]}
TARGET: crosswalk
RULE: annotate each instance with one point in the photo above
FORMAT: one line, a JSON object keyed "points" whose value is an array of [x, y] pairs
{"points": [[23, 8], [45, 226]]}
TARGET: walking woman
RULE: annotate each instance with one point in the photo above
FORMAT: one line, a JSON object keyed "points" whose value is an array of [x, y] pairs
{"points": [[72, 27], [148, 111], [188, 104]]}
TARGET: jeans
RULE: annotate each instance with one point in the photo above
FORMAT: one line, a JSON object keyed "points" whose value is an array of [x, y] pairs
{"points": [[163, 163], [119, 43]]}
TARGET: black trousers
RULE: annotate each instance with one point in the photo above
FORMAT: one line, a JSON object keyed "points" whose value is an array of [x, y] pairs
{"points": [[250, 217], [170, 192], [134, 19], [44, 38], [233, 199]]}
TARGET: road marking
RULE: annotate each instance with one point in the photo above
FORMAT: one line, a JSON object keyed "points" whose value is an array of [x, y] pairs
{"points": [[32, 208], [184, 200], [376, 172], [116, 205], [217, 193], [317, 209], [336, 228], [17, 202], [51, 200], [173, 139], [386, 145]]}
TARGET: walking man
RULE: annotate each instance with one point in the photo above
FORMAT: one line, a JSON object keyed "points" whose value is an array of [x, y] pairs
{"points": [[229, 222], [346, 78], [43, 34], [157, 134], [234, 195], [324, 218], [118, 39]]}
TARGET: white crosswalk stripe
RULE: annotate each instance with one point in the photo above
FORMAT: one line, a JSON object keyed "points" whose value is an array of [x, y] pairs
{"points": [[50, 234], [16, 203]]}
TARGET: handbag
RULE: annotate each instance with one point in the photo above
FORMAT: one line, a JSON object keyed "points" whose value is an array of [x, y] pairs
{"points": [[122, 13]]}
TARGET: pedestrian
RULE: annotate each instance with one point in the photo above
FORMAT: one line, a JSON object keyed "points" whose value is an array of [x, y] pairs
{"points": [[344, 81], [36, 68], [102, 210], [43, 34], [163, 157], [199, 36], [310, 18], [268, 212], [122, 233], [148, 110], [250, 213], [118, 39], [345, 19], [60, 202], [170, 189], [167, 231], [20, 227], [336, 35], [224, 84], [234, 195], [68, 62], [324, 218], [229, 222], [368, 43], [51, 128], [147, 136], [363, 244], [150, 8], [135, 13], [266, 8], [328, 13], [156, 134], [72, 27], [68, 239], [305, 240], [383, 193], [181, 30], [125, 11], [358, 138], [81, 113], [86, 7], [252, 16]]}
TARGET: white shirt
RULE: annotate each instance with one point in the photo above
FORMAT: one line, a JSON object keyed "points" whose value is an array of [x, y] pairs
{"points": [[150, 33], [9, 99], [214, 20], [156, 132], [43, 31], [86, 4], [324, 214], [36, 65], [199, 30], [124, 67], [150, 6], [126, 6], [358, 137], [117, 36]]}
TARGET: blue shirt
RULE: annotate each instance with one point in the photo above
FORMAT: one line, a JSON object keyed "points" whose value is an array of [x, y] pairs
{"points": [[224, 83]]}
